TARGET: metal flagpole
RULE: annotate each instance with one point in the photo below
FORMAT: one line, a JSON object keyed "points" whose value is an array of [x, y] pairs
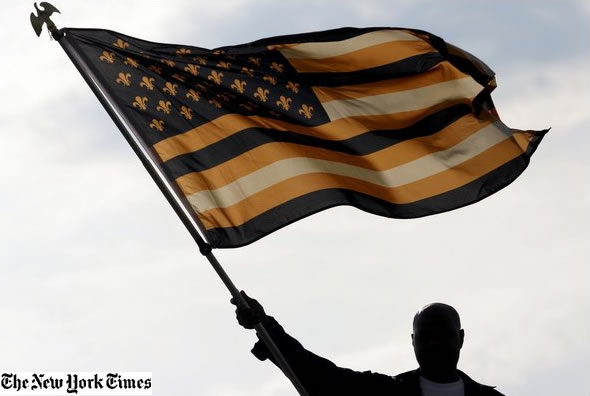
{"points": [[152, 166]]}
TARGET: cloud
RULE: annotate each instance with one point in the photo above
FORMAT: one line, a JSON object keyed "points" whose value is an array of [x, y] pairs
{"points": [[533, 96]]}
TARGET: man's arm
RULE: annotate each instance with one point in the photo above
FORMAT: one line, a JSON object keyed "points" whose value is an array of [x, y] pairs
{"points": [[318, 375]]}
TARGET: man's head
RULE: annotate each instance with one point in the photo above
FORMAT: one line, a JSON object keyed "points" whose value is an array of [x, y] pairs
{"points": [[437, 341]]}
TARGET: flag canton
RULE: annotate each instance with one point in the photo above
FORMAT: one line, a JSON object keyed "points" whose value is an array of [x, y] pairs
{"points": [[172, 89]]}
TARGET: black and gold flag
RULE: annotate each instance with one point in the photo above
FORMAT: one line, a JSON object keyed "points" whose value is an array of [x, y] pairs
{"points": [[393, 121]]}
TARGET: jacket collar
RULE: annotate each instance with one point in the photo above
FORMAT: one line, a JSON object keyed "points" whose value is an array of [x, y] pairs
{"points": [[412, 379]]}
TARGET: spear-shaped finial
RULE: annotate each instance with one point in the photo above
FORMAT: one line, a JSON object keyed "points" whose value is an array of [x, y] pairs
{"points": [[43, 17]]}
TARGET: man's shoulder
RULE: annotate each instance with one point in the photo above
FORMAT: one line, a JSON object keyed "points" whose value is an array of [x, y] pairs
{"points": [[409, 382], [408, 376], [487, 390], [475, 388]]}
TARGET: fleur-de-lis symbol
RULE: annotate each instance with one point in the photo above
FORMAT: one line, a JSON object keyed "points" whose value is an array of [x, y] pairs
{"points": [[215, 103], [157, 124], [254, 60], [125, 79], [186, 112], [200, 59], [156, 69], [283, 102], [247, 71], [140, 102], [279, 67], [261, 94], [121, 44], [293, 86], [183, 51], [239, 85], [224, 65], [270, 79], [169, 62], [192, 69], [194, 95], [170, 88], [108, 57], [147, 82], [131, 62], [305, 111], [215, 77], [178, 77], [164, 106]]}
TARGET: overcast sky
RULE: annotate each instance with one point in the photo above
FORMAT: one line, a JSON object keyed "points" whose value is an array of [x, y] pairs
{"points": [[98, 274]]}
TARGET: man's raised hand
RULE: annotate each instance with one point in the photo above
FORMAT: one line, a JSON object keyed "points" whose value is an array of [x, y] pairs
{"points": [[248, 317]]}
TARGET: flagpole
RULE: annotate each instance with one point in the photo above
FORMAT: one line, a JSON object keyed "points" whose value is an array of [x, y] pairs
{"points": [[171, 193]]}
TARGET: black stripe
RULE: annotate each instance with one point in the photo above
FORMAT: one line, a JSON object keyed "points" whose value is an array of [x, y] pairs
{"points": [[102, 37], [463, 64], [314, 37], [320, 36], [409, 66], [309, 204], [535, 141], [364, 144]]}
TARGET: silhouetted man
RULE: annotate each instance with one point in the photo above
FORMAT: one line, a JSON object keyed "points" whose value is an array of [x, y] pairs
{"points": [[437, 339]]}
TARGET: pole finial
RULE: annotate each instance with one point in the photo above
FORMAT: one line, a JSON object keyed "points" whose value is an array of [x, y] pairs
{"points": [[42, 17]]}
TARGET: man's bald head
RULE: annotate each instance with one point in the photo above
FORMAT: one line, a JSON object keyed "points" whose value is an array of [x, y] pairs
{"points": [[437, 314], [437, 340]]}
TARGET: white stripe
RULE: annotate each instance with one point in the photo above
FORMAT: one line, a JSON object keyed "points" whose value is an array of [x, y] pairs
{"points": [[409, 100], [410, 172], [336, 48]]}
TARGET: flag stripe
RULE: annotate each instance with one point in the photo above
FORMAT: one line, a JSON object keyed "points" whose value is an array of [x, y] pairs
{"points": [[230, 124], [232, 147], [423, 100], [318, 50], [463, 90], [364, 58], [396, 149], [442, 72], [406, 173], [403, 68], [436, 184], [289, 212]]}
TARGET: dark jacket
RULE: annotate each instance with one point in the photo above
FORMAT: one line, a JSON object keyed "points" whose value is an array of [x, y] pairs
{"points": [[321, 377]]}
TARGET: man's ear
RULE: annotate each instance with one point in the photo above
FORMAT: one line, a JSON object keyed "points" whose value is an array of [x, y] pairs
{"points": [[461, 337]]}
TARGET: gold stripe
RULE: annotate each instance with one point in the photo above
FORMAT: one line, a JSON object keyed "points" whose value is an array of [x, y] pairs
{"points": [[442, 72], [335, 48], [230, 124], [522, 138], [365, 58], [340, 129], [439, 183], [406, 173], [264, 155], [449, 92]]}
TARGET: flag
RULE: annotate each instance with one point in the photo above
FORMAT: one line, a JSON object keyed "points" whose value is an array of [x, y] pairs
{"points": [[393, 121]]}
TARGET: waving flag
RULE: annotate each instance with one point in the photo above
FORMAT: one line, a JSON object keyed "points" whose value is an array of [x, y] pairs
{"points": [[395, 122]]}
